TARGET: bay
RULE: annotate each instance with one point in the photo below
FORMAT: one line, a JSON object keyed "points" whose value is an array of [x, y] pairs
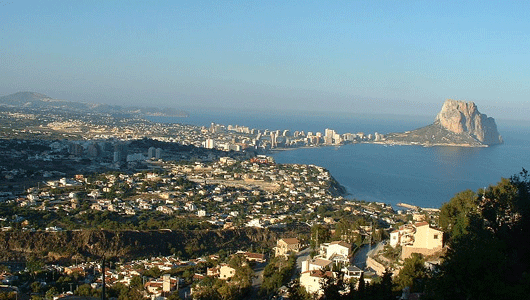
{"points": [[423, 176]]}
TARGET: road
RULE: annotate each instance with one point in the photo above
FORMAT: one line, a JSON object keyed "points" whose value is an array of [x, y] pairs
{"points": [[257, 279], [300, 258], [359, 259]]}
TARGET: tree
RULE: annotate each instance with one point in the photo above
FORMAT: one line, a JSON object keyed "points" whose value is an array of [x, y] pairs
{"points": [[333, 287], [491, 260], [361, 287], [132, 294], [319, 234], [344, 231], [84, 290], [34, 266], [136, 282], [153, 272], [174, 296], [297, 292], [277, 273], [52, 292], [117, 290], [207, 288], [455, 214], [8, 296], [35, 287], [413, 274], [385, 287]]}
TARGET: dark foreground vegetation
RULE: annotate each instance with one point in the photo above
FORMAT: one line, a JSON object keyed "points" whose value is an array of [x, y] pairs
{"points": [[488, 256]]}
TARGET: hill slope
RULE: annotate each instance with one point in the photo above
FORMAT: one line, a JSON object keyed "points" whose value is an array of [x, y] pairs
{"points": [[37, 100]]}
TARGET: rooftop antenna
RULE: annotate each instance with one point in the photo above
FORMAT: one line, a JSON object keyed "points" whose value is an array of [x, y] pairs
{"points": [[371, 232], [316, 245], [103, 272]]}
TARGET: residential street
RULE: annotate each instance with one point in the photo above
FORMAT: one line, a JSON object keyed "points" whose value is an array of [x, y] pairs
{"points": [[359, 259], [300, 258]]}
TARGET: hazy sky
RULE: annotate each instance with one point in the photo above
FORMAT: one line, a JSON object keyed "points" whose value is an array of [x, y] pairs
{"points": [[348, 56]]}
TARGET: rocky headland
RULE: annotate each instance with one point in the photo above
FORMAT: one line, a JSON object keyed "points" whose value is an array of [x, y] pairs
{"points": [[459, 123]]}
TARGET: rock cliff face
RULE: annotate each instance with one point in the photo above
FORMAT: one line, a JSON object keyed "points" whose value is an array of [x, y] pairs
{"points": [[464, 118], [459, 123], [63, 245]]}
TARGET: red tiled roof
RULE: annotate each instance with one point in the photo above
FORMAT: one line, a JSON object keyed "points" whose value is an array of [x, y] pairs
{"points": [[290, 240], [255, 255], [344, 244]]}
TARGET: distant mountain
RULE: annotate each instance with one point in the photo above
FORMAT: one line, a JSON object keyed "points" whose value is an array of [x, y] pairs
{"points": [[37, 100], [458, 123]]}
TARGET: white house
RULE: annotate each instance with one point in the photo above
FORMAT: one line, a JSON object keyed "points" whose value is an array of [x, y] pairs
{"points": [[312, 281], [315, 264]]}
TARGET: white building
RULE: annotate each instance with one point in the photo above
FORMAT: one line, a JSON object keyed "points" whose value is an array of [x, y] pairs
{"points": [[315, 264], [151, 152], [312, 281], [209, 144]]}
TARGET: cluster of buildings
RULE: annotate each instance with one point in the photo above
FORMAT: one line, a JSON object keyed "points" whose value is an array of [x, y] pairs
{"points": [[418, 237], [160, 287], [226, 193], [255, 192], [272, 139], [415, 237], [227, 185], [96, 127], [94, 143], [336, 255]]}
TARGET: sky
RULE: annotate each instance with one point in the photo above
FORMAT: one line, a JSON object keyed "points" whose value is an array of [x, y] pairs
{"points": [[402, 57]]}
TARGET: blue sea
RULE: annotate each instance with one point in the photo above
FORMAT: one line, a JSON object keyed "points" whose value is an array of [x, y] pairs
{"points": [[426, 177]]}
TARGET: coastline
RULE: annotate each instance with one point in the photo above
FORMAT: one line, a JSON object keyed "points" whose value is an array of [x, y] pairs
{"points": [[426, 145], [384, 143], [409, 174]]}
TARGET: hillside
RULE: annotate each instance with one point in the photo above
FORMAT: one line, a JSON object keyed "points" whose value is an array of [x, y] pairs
{"points": [[59, 246], [40, 101], [433, 135]]}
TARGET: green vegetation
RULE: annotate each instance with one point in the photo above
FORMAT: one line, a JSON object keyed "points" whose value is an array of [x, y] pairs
{"points": [[8, 296], [489, 255], [277, 273], [338, 288], [455, 214], [93, 219], [413, 274], [236, 287]]}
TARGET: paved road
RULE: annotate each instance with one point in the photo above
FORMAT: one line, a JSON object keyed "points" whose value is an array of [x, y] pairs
{"points": [[359, 259], [376, 249], [300, 258], [257, 278]]}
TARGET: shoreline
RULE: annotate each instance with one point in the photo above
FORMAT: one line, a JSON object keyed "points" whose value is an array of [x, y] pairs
{"points": [[384, 143], [347, 194]]}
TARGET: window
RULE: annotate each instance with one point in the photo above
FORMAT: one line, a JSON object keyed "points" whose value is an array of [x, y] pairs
{"points": [[435, 236]]}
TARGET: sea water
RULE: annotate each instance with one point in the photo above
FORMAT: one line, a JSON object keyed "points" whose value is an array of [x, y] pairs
{"points": [[423, 176]]}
